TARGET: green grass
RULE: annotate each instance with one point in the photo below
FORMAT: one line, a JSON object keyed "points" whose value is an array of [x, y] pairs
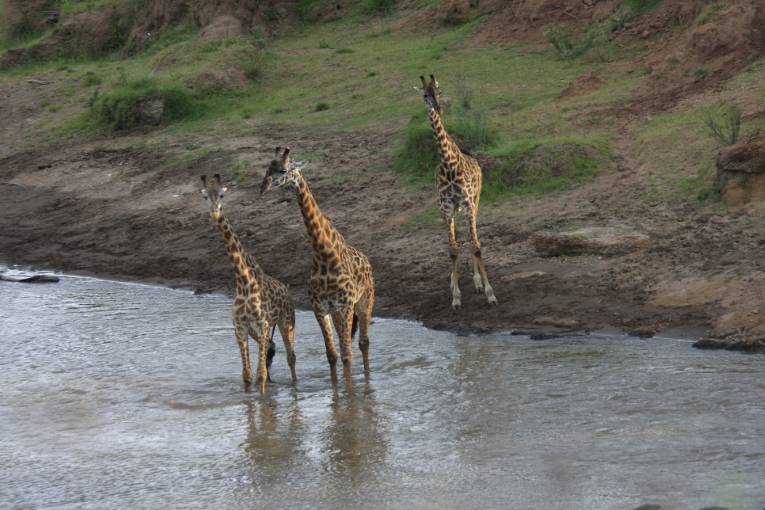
{"points": [[598, 39], [537, 166], [708, 13], [418, 157], [430, 216], [115, 110], [78, 6]]}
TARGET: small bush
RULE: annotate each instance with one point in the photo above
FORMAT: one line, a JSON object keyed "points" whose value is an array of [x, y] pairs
{"points": [[600, 34], [723, 123], [91, 79], [320, 107], [536, 166], [708, 13], [344, 50], [117, 109], [419, 155], [563, 41], [378, 6]]}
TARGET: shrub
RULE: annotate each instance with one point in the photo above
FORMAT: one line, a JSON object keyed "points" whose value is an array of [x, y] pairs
{"points": [[562, 40], [117, 110], [419, 155], [536, 166], [91, 79], [723, 123], [378, 6], [320, 107], [600, 34]]}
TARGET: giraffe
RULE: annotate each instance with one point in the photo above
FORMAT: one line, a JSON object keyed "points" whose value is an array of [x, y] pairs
{"points": [[259, 300], [458, 182], [341, 285]]}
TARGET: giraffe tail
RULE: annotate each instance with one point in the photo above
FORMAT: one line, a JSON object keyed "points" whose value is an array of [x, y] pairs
{"points": [[355, 325]]}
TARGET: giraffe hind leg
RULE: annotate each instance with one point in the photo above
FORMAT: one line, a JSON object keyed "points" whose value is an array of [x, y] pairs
{"points": [[287, 330], [364, 313], [479, 270]]}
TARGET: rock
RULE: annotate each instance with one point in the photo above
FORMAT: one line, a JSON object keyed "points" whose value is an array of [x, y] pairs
{"points": [[732, 344], [557, 322], [605, 241], [22, 278], [642, 332], [148, 111], [741, 173], [222, 27]]}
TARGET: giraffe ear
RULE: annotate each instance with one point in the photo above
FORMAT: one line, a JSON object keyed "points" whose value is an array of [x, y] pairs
{"points": [[433, 81], [276, 152], [422, 79], [224, 189], [203, 192]]}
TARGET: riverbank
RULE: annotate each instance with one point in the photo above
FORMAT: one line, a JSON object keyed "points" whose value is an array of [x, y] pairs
{"points": [[127, 209]]}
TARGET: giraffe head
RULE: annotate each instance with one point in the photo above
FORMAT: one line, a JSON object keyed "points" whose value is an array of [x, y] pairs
{"points": [[213, 191], [281, 170], [431, 93]]}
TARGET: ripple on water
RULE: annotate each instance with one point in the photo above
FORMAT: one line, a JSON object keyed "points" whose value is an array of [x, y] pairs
{"points": [[127, 395]]}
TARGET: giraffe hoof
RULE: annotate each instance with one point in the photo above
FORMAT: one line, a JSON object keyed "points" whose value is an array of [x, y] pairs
{"points": [[493, 301], [456, 305]]}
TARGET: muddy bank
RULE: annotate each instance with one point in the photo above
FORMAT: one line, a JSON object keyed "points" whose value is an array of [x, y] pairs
{"points": [[128, 209]]}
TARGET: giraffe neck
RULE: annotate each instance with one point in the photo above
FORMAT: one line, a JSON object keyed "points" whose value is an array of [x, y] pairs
{"points": [[323, 235], [248, 272], [447, 149]]}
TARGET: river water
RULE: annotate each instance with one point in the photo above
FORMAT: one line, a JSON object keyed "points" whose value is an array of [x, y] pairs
{"points": [[123, 396]]}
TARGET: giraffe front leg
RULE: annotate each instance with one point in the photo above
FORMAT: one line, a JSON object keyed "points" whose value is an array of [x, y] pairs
{"points": [[261, 375], [326, 331], [343, 320], [479, 270], [240, 330], [454, 251]]}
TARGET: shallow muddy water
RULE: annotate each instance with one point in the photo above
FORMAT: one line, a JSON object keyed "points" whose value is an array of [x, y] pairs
{"points": [[129, 396]]}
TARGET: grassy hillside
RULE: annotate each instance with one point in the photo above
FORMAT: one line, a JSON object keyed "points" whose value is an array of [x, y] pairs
{"points": [[525, 107]]}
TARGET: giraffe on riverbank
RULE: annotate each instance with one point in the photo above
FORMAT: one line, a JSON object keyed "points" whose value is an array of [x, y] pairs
{"points": [[341, 285], [259, 300], [458, 182]]}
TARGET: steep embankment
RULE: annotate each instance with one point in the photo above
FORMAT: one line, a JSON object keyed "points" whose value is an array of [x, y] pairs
{"points": [[602, 204]]}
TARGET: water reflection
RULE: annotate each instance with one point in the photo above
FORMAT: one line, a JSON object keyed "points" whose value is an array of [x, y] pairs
{"points": [[356, 438]]}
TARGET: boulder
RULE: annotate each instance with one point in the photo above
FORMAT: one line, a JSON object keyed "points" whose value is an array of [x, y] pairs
{"points": [[741, 173], [222, 27], [148, 111], [603, 241]]}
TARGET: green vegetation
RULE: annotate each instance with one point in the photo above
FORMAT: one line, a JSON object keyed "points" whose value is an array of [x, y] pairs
{"points": [[536, 166], [418, 157], [708, 13], [723, 123], [78, 6], [120, 109], [599, 36]]}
